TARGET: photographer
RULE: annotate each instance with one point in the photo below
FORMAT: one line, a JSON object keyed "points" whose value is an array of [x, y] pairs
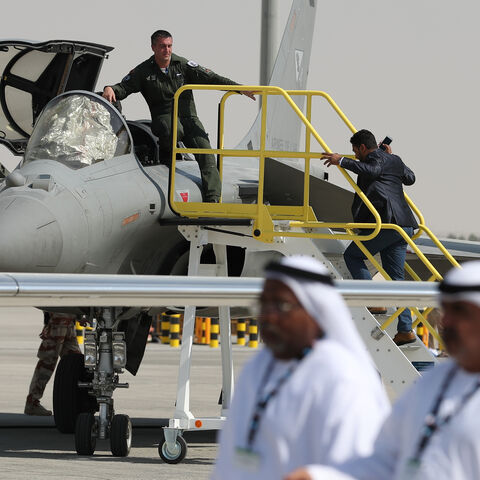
{"points": [[381, 176]]}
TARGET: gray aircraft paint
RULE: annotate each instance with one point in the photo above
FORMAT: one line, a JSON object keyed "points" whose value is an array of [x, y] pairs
{"points": [[79, 222]]}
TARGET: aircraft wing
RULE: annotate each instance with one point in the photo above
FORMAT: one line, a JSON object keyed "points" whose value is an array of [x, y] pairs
{"points": [[57, 290], [331, 203], [461, 250]]}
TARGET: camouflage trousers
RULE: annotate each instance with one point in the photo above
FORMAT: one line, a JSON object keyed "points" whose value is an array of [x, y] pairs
{"points": [[58, 339]]}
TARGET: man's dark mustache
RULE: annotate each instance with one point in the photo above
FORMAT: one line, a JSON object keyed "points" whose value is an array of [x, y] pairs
{"points": [[450, 335]]}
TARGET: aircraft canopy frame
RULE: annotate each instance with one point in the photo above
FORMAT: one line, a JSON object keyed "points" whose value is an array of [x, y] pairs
{"points": [[32, 73]]}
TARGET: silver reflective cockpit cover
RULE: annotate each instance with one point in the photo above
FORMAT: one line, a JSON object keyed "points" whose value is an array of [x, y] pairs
{"points": [[75, 130]]}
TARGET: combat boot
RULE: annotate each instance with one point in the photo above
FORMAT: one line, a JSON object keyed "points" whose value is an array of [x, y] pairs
{"points": [[36, 409]]}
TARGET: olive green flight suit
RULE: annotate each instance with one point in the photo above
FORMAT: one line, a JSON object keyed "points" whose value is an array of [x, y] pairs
{"points": [[158, 89]]}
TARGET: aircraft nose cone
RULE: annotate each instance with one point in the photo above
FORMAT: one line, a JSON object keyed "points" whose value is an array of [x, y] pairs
{"points": [[30, 237]]}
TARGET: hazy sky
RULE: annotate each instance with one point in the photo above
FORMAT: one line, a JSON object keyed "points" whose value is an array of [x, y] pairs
{"points": [[408, 69]]}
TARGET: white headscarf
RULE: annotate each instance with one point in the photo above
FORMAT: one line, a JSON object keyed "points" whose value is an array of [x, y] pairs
{"points": [[462, 284], [324, 304]]}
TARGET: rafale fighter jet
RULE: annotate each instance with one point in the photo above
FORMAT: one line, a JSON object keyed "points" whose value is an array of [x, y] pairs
{"points": [[91, 196]]}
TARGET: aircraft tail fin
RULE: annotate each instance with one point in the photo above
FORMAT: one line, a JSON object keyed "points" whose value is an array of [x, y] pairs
{"points": [[290, 72]]}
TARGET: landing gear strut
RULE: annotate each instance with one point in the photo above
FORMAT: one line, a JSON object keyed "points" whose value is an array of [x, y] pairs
{"points": [[105, 358]]}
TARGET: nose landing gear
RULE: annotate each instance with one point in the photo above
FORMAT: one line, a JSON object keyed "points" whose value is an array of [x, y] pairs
{"points": [[85, 384], [106, 357]]}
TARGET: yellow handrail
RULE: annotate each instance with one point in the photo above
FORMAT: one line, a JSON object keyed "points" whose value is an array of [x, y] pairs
{"points": [[301, 217], [261, 214]]}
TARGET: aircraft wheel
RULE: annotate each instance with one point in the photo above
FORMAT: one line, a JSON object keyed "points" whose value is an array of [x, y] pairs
{"points": [[68, 399], [120, 436], [178, 453], [85, 434]]}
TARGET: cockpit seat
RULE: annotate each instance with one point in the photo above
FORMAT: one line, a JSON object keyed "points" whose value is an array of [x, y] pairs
{"points": [[145, 143]]}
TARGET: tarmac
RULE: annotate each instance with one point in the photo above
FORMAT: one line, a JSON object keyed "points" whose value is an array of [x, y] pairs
{"points": [[31, 447]]}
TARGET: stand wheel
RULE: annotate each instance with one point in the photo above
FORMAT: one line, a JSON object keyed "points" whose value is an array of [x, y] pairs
{"points": [[178, 453], [85, 434], [120, 436]]}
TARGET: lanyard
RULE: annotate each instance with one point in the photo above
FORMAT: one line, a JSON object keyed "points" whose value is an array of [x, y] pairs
{"points": [[432, 422], [263, 400]]}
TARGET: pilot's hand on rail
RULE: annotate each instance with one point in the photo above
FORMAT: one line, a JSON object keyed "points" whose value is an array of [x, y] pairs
{"points": [[249, 94], [331, 158], [109, 94], [300, 474]]}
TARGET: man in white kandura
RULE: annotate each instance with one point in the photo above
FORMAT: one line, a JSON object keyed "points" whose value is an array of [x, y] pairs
{"points": [[433, 430], [312, 395]]}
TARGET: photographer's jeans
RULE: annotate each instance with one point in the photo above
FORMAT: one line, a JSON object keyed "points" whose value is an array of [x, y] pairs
{"points": [[393, 250]]}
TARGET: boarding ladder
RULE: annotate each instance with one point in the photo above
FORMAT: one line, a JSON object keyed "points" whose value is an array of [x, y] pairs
{"points": [[286, 229]]}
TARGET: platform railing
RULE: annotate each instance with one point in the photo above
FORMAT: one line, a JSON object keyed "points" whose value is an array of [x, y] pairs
{"points": [[302, 219], [263, 216]]}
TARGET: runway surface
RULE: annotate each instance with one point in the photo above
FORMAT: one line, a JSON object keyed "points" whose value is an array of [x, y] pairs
{"points": [[31, 447]]}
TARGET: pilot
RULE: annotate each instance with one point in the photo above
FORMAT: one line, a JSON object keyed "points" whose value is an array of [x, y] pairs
{"points": [[58, 339], [157, 79]]}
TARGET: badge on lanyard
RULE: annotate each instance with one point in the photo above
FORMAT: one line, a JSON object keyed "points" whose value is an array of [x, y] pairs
{"points": [[412, 470], [247, 459]]}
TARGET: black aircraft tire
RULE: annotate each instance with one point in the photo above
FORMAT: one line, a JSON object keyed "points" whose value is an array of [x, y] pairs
{"points": [[85, 434], [177, 455], [68, 399], [120, 436]]}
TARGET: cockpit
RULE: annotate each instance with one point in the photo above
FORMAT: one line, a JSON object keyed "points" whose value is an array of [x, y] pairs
{"points": [[78, 130]]}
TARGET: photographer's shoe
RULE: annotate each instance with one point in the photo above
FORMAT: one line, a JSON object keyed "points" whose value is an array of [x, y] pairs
{"points": [[403, 338], [377, 310]]}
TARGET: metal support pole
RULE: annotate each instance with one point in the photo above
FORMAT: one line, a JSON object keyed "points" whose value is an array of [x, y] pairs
{"points": [[182, 409], [268, 40], [225, 334]]}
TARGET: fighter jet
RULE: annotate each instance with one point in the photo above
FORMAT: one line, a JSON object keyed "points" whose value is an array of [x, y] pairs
{"points": [[90, 195]]}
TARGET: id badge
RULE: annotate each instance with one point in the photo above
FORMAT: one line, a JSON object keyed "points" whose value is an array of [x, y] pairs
{"points": [[247, 459], [412, 470]]}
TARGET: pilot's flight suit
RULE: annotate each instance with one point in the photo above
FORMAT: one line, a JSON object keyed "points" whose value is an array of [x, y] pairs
{"points": [[158, 89]]}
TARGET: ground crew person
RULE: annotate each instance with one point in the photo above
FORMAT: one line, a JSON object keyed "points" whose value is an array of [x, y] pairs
{"points": [[58, 339], [157, 79]]}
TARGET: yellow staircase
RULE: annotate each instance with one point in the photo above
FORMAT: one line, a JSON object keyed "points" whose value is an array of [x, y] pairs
{"points": [[301, 219]]}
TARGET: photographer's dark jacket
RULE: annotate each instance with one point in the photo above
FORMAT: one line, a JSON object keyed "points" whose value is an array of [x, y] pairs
{"points": [[381, 176]]}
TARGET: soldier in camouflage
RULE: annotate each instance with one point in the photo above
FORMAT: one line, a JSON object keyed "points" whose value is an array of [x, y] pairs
{"points": [[58, 339], [157, 79]]}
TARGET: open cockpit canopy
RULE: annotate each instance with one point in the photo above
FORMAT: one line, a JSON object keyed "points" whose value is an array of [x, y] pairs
{"points": [[35, 72]]}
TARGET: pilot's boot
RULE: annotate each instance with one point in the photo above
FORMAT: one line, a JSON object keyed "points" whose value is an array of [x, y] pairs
{"points": [[211, 184], [34, 408]]}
